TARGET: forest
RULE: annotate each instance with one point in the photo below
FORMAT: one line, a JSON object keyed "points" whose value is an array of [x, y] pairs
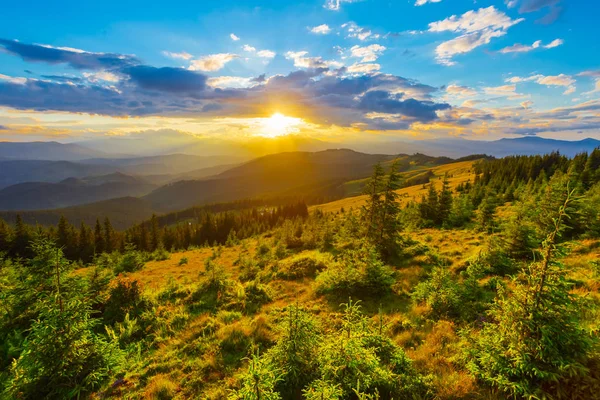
{"points": [[483, 289]]}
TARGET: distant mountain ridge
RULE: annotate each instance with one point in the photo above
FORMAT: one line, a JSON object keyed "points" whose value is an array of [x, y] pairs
{"points": [[53, 151], [71, 192]]}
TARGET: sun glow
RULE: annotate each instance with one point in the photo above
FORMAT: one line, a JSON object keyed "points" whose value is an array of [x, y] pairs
{"points": [[279, 125]]}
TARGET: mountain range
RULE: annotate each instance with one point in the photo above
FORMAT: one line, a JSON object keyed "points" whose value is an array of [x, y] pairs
{"points": [[75, 180]]}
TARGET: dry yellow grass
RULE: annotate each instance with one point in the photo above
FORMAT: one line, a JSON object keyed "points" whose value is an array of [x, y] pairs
{"points": [[458, 173]]}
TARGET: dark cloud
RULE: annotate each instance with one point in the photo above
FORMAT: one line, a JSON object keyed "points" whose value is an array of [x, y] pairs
{"points": [[259, 79], [383, 102], [321, 95], [167, 79], [3, 128], [75, 59]]}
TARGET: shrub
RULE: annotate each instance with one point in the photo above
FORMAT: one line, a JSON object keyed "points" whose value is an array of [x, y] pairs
{"points": [[305, 264], [125, 297], [441, 293], [62, 358], [183, 261], [359, 272], [160, 387], [257, 294], [161, 254], [131, 261]]}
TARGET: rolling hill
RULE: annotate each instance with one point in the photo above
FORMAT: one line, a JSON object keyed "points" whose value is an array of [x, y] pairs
{"points": [[53, 151], [122, 212], [267, 176], [71, 192], [458, 172]]}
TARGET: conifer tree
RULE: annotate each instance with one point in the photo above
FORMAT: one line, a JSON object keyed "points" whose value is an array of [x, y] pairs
{"points": [[98, 238], [373, 189], [109, 239], [20, 244], [536, 340], [444, 202], [388, 216]]}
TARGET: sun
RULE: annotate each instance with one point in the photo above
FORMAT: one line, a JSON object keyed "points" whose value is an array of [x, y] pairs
{"points": [[279, 125]]}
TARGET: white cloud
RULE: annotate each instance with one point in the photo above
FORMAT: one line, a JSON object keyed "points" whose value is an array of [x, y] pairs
{"points": [[213, 62], [249, 48], [234, 37], [551, 80], [522, 48], [527, 104], [265, 53], [364, 68], [554, 43], [477, 28], [231, 82], [182, 56], [301, 61], [323, 29], [360, 33], [423, 2], [556, 80], [505, 90], [460, 91], [475, 21], [18, 81], [335, 5], [101, 76], [464, 44], [368, 53]]}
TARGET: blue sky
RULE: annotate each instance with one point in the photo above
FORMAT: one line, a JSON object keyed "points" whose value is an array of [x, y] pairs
{"points": [[420, 68]]}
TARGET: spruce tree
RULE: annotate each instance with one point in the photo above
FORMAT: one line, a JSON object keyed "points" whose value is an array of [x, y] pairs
{"points": [[109, 237], [444, 202], [535, 342], [373, 208], [98, 238]]}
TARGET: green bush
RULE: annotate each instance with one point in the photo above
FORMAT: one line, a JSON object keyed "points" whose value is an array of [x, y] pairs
{"points": [[182, 261], [160, 254], [131, 261], [305, 264], [62, 357], [358, 272]]}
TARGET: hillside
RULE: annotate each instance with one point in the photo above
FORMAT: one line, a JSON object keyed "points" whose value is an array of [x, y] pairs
{"points": [[459, 172], [71, 192], [122, 212], [267, 176]]}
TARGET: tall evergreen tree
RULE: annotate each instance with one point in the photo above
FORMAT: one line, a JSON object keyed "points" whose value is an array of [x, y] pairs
{"points": [[109, 236], [98, 238], [373, 189], [444, 202]]}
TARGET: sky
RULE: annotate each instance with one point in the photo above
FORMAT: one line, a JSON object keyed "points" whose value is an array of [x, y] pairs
{"points": [[327, 69]]}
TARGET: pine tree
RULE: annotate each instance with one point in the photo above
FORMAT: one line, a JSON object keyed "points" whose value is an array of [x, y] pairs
{"points": [[155, 239], [444, 202], [85, 244], [109, 237], [373, 189], [390, 209], [20, 244], [5, 236], [99, 247], [536, 342]]}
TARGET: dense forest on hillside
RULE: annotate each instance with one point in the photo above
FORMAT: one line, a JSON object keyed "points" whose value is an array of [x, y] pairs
{"points": [[485, 290]]}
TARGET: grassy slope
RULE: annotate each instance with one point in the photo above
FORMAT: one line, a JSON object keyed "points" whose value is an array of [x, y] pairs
{"points": [[459, 172]]}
